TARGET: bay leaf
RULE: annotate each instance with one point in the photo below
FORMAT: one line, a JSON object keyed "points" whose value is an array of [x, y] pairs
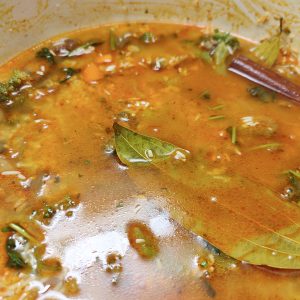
{"points": [[239, 216], [134, 148]]}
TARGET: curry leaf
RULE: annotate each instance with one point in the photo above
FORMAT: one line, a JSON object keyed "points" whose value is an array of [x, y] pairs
{"points": [[268, 50], [241, 217], [134, 148]]}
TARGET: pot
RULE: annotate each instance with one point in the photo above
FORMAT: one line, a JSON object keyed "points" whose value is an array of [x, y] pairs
{"points": [[27, 22]]}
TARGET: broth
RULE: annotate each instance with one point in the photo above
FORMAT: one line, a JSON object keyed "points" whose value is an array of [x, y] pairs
{"points": [[62, 182]]}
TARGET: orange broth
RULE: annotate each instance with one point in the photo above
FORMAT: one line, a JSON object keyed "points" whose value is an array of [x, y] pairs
{"points": [[61, 181]]}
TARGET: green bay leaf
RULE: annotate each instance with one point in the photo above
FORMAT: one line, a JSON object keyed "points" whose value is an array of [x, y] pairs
{"points": [[241, 217], [134, 148]]}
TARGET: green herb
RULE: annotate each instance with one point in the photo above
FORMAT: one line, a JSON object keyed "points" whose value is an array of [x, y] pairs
{"points": [[216, 117], [17, 78], [268, 50], [204, 55], [69, 73], [17, 228], [49, 212], [46, 53], [142, 240], [270, 147], [87, 162], [6, 229], [4, 92], [205, 95], [68, 202], [15, 259], [134, 148], [220, 46], [294, 179], [204, 264], [8, 89], [148, 38], [118, 42], [233, 134], [113, 40], [262, 94], [86, 48], [295, 174], [195, 177], [217, 107], [46, 213]]}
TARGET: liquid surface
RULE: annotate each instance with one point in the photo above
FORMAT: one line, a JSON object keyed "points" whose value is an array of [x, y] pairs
{"points": [[102, 230]]}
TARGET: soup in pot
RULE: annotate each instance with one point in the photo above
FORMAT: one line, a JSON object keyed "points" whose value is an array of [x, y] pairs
{"points": [[134, 165]]}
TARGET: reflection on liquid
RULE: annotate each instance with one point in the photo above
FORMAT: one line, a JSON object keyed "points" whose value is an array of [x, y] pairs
{"points": [[83, 253]]}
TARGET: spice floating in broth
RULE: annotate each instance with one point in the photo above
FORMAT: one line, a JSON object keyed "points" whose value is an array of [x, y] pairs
{"points": [[249, 69], [244, 234]]}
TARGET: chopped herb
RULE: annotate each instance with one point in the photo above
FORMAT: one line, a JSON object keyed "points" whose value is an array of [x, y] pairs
{"points": [[204, 264], [22, 232], [9, 93], [233, 134], [205, 95], [118, 42], [113, 40], [68, 203], [6, 229], [218, 117], [270, 147], [17, 78], [4, 92], [217, 107], [47, 54], [49, 212], [204, 55], [148, 38], [294, 179], [268, 50], [87, 162], [15, 259], [219, 46], [295, 173], [69, 73], [262, 94]]}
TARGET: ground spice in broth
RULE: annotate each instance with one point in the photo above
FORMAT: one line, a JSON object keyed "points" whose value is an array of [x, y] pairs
{"points": [[80, 222]]}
